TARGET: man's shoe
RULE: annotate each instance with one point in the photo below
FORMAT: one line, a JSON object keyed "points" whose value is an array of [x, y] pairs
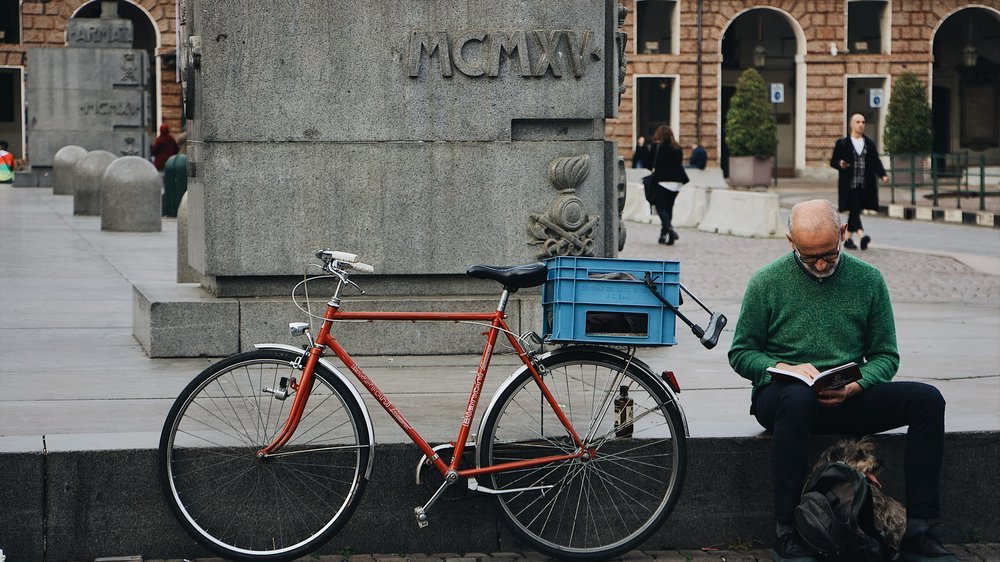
{"points": [[865, 240], [672, 237], [662, 240], [850, 245], [924, 547], [791, 548]]}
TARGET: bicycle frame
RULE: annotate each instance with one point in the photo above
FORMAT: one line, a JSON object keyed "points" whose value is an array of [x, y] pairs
{"points": [[497, 325]]}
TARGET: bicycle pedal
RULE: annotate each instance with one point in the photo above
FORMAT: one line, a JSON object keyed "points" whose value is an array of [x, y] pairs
{"points": [[421, 517]]}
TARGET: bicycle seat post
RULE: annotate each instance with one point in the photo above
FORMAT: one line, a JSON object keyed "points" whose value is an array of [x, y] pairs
{"points": [[504, 297]]}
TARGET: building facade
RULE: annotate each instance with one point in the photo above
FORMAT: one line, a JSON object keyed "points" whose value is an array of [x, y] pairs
{"points": [[43, 23], [827, 59]]}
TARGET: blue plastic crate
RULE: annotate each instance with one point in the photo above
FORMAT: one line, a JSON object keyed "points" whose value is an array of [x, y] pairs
{"points": [[580, 305]]}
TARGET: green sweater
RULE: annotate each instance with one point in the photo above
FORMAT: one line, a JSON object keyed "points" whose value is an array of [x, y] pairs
{"points": [[790, 317]]}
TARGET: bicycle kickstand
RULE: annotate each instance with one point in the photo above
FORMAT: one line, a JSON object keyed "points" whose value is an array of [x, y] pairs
{"points": [[421, 512]]}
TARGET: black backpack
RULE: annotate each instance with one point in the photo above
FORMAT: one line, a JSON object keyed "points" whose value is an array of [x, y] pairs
{"points": [[836, 516]]}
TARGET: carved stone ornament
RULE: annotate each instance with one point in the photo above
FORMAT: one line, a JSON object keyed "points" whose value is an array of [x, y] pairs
{"points": [[566, 229]]}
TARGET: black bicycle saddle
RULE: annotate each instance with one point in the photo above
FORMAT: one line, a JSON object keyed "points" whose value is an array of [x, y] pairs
{"points": [[514, 277]]}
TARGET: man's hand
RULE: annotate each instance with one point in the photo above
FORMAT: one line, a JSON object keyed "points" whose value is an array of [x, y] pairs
{"points": [[805, 369], [844, 165], [885, 179], [830, 398]]}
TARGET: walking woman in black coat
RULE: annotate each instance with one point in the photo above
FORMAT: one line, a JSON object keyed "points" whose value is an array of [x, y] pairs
{"points": [[668, 172]]}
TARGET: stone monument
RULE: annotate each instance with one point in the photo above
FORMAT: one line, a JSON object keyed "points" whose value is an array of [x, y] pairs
{"points": [[425, 137], [92, 93]]}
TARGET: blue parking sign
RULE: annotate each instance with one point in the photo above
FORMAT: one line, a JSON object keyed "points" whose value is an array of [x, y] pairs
{"points": [[875, 98], [777, 93]]}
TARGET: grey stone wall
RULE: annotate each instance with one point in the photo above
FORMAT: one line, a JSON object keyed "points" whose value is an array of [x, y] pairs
{"points": [[92, 97], [417, 135]]}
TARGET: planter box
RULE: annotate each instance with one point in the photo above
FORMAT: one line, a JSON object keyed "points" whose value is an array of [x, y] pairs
{"points": [[750, 171]]}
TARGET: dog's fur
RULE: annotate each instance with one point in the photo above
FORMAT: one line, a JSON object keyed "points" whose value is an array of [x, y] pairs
{"points": [[890, 515]]}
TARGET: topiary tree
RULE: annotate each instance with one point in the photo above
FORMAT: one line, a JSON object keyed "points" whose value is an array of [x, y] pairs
{"points": [[908, 123], [750, 126]]}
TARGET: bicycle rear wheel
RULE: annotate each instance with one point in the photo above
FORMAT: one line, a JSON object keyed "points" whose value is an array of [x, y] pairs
{"points": [[276, 508], [585, 509]]}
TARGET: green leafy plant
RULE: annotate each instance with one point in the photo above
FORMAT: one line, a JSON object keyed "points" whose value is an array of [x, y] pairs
{"points": [[908, 123], [750, 126]]}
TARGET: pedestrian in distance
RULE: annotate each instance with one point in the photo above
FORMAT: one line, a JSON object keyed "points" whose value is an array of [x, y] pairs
{"points": [[164, 147], [6, 163], [699, 157], [641, 156], [669, 174], [813, 309], [856, 159]]}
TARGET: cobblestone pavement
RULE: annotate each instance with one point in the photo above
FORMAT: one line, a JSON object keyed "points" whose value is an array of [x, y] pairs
{"points": [[983, 552], [718, 267]]}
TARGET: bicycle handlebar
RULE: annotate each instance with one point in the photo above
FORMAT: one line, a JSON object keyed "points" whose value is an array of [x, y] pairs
{"points": [[333, 260]]}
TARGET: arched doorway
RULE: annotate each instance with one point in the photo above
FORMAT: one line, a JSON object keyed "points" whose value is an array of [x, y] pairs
{"points": [[966, 84], [145, 36], [771, 41]]}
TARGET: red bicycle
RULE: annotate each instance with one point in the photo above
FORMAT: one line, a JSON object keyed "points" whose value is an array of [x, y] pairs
{"points": [[265, 454]]}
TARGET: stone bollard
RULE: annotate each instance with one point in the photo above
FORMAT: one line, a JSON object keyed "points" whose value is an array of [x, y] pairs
{"points": [[185, 273], [132, 196], [88, 180], [62, 168]]}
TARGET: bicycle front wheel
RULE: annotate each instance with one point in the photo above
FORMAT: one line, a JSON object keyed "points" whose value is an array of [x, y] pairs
{"points": [[275, 508], [610, 501]]}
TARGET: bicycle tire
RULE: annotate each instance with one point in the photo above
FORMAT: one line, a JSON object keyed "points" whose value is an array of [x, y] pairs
{"points": [[585, 509], [273, 509]]}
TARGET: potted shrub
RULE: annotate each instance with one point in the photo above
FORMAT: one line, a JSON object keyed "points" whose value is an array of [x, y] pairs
{"points": [[751, 132], [908, 133]]}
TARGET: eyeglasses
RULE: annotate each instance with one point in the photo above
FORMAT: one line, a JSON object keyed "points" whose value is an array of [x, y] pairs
{"points": [[810, 260]]}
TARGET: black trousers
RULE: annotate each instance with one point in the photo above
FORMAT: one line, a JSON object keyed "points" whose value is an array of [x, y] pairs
{"points": [[791, 413], [854, 212], [665, 209]]}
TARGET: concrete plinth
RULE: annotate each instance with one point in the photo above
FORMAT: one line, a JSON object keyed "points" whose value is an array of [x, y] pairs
{"points": [[186, 321]]}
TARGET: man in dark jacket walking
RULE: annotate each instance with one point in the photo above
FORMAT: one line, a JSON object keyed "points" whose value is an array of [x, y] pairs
{"points": [[856, 158]]}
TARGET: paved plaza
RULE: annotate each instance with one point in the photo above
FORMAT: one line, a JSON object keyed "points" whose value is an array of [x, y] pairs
{"points": [[73, 373]]}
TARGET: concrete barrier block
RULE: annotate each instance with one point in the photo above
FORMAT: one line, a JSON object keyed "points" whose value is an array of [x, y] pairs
{"points": [[22, 504], [711, 178], [62, 168], [182, 320], [88, 182], [637, 209], [690, 206], [743, 213], [132, 199]]}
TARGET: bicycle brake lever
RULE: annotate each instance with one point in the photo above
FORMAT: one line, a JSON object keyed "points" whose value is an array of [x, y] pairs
{"points": [[356, 286]]}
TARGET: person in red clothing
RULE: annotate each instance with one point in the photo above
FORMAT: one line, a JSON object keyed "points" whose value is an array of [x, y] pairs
{"points": [[164, 147]]}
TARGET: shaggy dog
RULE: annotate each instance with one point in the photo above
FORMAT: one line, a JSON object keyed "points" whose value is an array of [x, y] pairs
{"points": [[890, 515]]}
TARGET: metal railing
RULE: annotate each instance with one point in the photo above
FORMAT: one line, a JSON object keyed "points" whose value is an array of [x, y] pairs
{"points": [[947, 174]]}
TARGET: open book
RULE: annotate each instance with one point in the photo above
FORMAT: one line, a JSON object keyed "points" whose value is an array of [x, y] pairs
{"points": [[837, 377]]}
